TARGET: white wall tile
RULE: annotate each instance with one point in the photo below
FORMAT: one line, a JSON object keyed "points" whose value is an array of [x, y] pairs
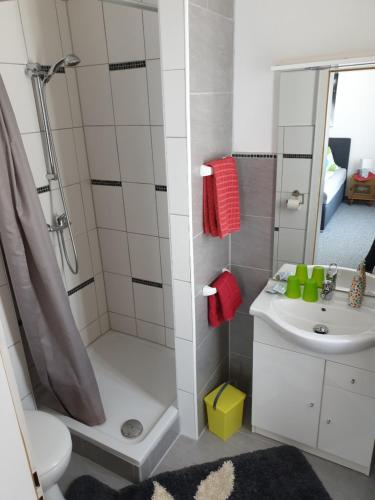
{"points": [[174, 103], [145, 257], [182, 301], [169, 338], [21, 96], [95, 93], [90, 333], [119, 293], [165, 260], [41, 29], [102, 153], [85, 271], [180, 245], [104, 323], [155, 92], [109, 207], [12, 44], [58, 102], [162, 206], [35, 154], [297, 98], [95, 251], [186, 412], [151, 31], [8, 316], [149, 303], [140, 208], [184, 364], [295, 219], [75, 102], [135, 154], [75, 207], [168, 306], [172, 33], [84, 307], [88, 204], [100, 293], [296, 175], [130, 97], [291, 245], [83, 166], [115, 253], [124, 31], [177, 172], [158, 155], [124, 324], [66, 156], [18, 360], [298, 140], [87, 25], [63, 20], [149, 331]]}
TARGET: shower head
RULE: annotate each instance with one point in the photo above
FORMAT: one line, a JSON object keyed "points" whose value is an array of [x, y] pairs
{"points": [[68, 61]]}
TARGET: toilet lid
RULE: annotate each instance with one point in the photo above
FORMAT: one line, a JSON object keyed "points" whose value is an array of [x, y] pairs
{"points": [[50, 440]]}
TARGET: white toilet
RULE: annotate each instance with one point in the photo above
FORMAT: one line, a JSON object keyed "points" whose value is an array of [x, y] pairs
{"points": [[51, 446]]}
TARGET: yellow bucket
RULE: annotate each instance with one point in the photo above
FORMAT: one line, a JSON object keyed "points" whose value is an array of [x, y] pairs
{"points": [[225, 410]]}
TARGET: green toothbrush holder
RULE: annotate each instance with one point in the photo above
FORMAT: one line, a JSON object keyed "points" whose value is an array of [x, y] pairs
{"points": [[318, 275], [293, 288], [310, 291], [301, 273]]}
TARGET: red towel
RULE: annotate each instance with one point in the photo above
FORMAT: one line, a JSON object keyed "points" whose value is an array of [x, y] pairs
{"points": [[223, 305], [221, 198]]}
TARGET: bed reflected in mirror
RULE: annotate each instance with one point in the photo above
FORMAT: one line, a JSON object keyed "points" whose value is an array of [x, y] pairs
{"points": [[347, 223]]}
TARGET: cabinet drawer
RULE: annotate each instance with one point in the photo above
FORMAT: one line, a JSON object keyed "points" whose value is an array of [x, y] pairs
{"points": [[350, 378]]}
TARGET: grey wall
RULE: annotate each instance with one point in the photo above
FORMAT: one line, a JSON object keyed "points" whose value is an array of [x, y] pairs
{"points": [[251, 255], [211, 29]]}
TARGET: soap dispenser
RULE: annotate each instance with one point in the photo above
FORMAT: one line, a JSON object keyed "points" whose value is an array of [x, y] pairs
{"points": [[356, 292], [362, 275]]}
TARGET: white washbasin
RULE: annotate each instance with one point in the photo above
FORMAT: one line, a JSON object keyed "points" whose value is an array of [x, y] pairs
{"points": [[350, 330]]}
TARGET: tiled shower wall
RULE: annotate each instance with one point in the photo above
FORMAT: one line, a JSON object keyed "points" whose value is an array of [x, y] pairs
{"points": [[211, 30], [120, 87], [37, 30]]}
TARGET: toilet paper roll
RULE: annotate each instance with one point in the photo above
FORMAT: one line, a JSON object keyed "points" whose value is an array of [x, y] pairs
{"points": [[293, 204]]}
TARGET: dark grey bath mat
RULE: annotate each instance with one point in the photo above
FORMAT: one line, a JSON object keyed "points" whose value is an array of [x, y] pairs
{"points": [[280, 473]]}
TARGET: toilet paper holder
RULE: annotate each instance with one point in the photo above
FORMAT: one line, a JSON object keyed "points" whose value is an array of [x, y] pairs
{"points": [[296, 195]]}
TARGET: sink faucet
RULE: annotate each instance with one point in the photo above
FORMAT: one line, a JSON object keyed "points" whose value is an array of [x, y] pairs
{"points": [[329, 284]]}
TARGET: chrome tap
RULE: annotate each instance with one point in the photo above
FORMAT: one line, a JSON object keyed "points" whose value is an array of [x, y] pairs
{"points": [[329, 284]]}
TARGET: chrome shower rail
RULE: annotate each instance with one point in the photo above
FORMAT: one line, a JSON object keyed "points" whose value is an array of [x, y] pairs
{"points": [[40, 78]]}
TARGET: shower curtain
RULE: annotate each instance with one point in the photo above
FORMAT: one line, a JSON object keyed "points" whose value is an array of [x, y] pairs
{"points": [[61, 372]]}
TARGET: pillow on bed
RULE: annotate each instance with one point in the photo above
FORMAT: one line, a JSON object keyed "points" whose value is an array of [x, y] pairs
{"points": [[330, 161]]}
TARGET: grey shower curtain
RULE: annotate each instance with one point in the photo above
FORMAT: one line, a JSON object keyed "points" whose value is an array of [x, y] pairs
{"points": [[62, 374]]}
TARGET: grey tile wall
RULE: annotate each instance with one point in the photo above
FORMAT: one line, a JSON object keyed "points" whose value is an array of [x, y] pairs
{"points": [[251, 257], [211, 95]]}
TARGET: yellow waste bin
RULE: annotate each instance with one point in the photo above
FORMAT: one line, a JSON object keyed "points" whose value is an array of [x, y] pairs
{"points": [[225, 410]]}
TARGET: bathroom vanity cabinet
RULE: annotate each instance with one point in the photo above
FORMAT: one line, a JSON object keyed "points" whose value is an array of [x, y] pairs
{"points": [[323, 404]]}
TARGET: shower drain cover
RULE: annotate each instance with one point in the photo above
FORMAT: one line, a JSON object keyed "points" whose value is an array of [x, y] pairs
{"points": [[131, 428]]}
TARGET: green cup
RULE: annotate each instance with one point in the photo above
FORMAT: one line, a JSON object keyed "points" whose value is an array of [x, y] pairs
{"points": [[318, 275], [293, 288], [310, 291], [301, 273]]}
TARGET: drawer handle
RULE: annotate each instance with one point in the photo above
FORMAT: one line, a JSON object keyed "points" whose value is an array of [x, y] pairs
{"points": [[353, 381], [328, 421], [311, 405]]}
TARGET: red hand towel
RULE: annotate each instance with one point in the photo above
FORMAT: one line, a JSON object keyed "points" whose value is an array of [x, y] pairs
{"points": [[223, 305], [221, 198]]}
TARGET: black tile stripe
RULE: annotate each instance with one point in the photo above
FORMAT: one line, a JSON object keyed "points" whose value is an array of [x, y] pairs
{"points": [[276, 229], [254, 155], [43, 189], [79, 287], [127, 65], [160, 188], [46, 68], [307, 157], [147, 283], [98, 182]]}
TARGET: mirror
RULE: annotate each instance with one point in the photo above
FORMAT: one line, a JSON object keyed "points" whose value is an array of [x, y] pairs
{"points": [[347, 225]]}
